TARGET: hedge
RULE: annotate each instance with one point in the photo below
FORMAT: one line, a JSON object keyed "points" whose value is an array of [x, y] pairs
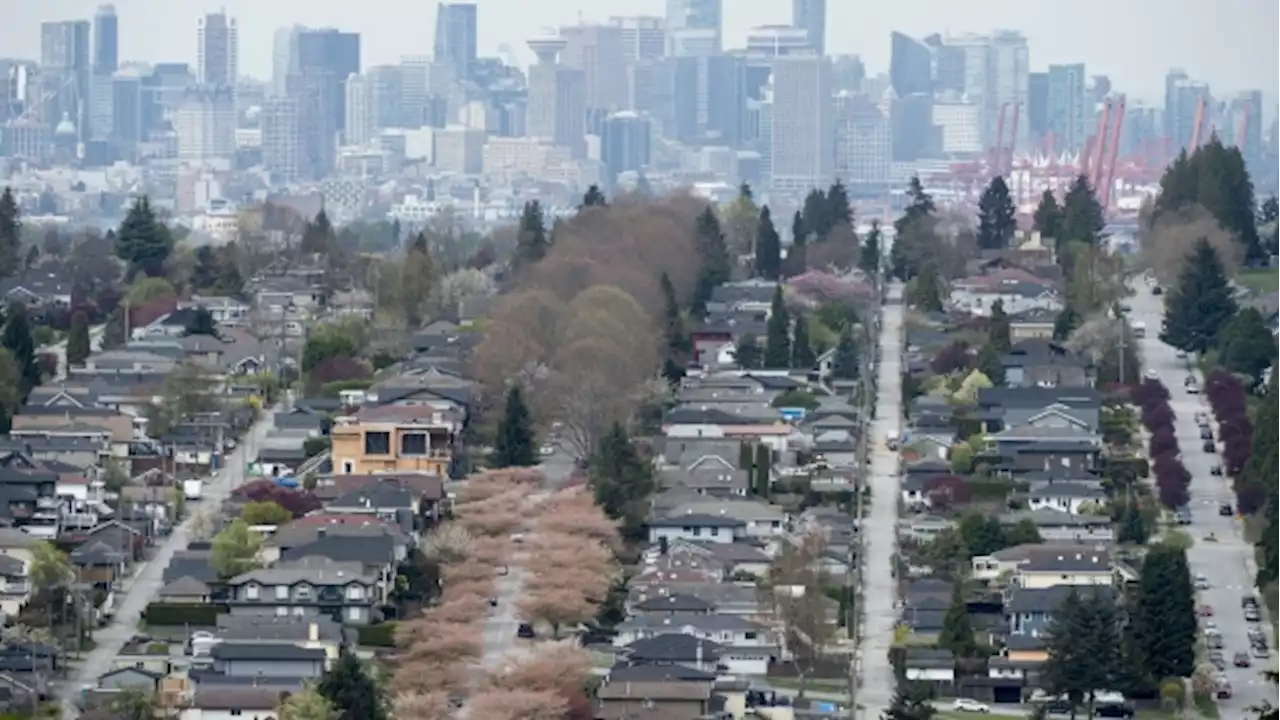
{"points": [[163, 614], [380, 635]]}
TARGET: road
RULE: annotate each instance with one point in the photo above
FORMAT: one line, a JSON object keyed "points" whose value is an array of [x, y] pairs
{"points": [[129, 610], [880, 526], [1228, 563], [60, 349]]}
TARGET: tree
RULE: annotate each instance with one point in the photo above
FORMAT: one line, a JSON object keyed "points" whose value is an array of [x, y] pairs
{"points": [[1165, 613], [201, 323], [914, 225], [839, 210], [1200, 305], [265, 512], [714, 264], [10, 386], [845, 364], [1246, 345], [1215, 177], [187, 391], [143, 242], [762, 471], [593, 198], [1082, 218], [926, 290], [803, 611], [1170, 240], [802, 357], [869, 255], [78, 342], [307, 704], [813, 218], [768, 251], [777, 343], [957, 631], [997, 216], [747, 353], [514, 444], [674, 334], [1048, 217], [347, 685], [234, 550], [50, 568], [17, 340], [911, 701], [318, 236], [1083, 646], [131, 703], [532, 242], [417, 277], [741, 220], [329, 342], [621, 480], [10, 233], [795, 263], [999, 329], [1131, 526]]}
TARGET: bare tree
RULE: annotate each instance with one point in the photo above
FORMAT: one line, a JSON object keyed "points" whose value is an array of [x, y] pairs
{"points": [[461, 285], [1167, 243], [795, 592], [557, 667], [448, 542], [517, 705]]}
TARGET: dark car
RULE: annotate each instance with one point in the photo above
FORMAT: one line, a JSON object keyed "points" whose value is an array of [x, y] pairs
{"points": [[1113, 710], [525, 631], [1215, 470], [1157, 290], [1225, 510], [1209, 447], [1205, 433], [1241, 660]]}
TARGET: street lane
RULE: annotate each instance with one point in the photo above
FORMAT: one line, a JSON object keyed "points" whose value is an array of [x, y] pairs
{"points": [[880, 527], [1227, 563]]}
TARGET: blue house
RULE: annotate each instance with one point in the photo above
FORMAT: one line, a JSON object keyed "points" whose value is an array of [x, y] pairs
{"points": [[1030, 610]]}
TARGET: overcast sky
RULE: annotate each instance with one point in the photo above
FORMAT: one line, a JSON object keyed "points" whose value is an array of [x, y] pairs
{"points": [[1231, 44]]}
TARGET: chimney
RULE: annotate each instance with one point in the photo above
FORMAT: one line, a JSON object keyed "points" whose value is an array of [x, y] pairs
{"points": [[313, 632], [697, 655]]}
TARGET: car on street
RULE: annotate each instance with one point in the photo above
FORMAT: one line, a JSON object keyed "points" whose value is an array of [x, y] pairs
{"points": [[1206, 433], [547, 450], [1192, 387], [967, 705], [1218, 660], [1113, 710], [1252, 615], [1202, 582], [1209, 447], [1181, 354], [1157, 290], [1152, 375], [1261, 652], [525, 631], [1215, 470], [1206, 611], [1223, 690], [1225, 510], [1241, 660], [1209, 626]]}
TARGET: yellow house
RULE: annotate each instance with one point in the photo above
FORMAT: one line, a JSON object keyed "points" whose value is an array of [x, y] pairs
{"points": [[394, 439]]}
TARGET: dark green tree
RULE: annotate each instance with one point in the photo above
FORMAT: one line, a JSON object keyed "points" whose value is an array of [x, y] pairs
{"points": [[1065, 323], [912, 701], [748, 353], [1201, 304], [1084, 648], [990, 362], [982, 534], [201, 323], [761, 471], [796, 256], [777, 342], [845, 364], [997, 216], [113, 333], [675, 335], [1261, 470], [319, 236], [714, 264], [143, 242], [999, 328], [869, 255], [78, 341], [957, 630], [206, 271], [1131, 527], [1165, 612], [1048, 217], [926, 290], [10, 233], [349, 686], [815, 216], [768, 259], [920, 209], [230, 282], [621, 480], [802, 357], [514, 444], [532, 241], [1269, 225], [593, 198], [1082, 218], [1246, 346], [1214, 176], [839, 209], [17, 340], [746, 456]]}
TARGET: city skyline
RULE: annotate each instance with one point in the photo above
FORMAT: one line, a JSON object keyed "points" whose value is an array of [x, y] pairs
{"points": [[1137, 68]]}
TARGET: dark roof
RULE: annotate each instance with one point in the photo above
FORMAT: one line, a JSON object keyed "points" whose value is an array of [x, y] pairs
{"points": [[1046, 600], [1025, 642], [696, 520], [675, 603], [368, 550], [690, 415], [657, 673], [265, 651], [377, 496], [673, 647], [1038, 397], [776, 382], [1068, 560]]}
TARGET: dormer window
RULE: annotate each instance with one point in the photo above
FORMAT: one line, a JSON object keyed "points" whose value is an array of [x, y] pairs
{"points": [[304, 592], [251, 592]]}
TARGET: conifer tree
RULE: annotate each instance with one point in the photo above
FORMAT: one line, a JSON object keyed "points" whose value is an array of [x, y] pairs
{"points": [[714, 263], [593, 198], [957, 630], [768, 263], [997, 216], [1082, 219], [143, 242], [999, 328], [777, 345], [802, 357], [869, 255], [514, 444], [904, 258], [1201, 303], [926, 290], [532, 242], [675, 335], [319, 237], [348, 686], [747, 353], [17, 340], [762, 470], [1048, 217], [815, 216], [839, 209], [621, 480], [1165, 611], [845, 362], [10, 233], [799, 243], [911, 701], [78, 342]]}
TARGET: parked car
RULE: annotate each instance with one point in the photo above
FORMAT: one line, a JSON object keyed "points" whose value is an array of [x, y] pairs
{"points": [[1209, 447], [1113, 710], [1225, 510], [967, 705], [1206, 433], [1241, 660], [1157, 290], [1215, 470], [525, 631]]}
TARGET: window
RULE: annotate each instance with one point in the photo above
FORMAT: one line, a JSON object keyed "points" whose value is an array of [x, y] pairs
{"points": [[348, 467], [251, 592], [282, 592], [282, 610], [355, 592], [414, 443], [304, 592], [377, 443], [353, 613]]}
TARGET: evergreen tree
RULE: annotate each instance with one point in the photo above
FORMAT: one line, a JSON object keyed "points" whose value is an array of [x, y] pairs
{"points": [[999, 328], [802, 357], [1201, 304], [1067, 672], [869, 255], [714, 264], [593, 198], [1131, 528], [957, 630], [514, 444], [748, 354], [1065, 323], [990, 363], [532, 242], [919, 210], [768, 263], [845, 363], [997, 216], [143, 242], [78, 341], [1165, 612], [815, 217], [319, 236], [10, 233], [1048, 217], [1261, 470], [926, 290], [201, 323], [675, 334], [761, 471], [777, 343], [1269, 226], [229, 281], [839, 209], [17, 340], [1246, 345], [205, 272], [113, 333], [799, 243], [1082, 219], [912, 701], [1215, 177], [746, 456], [349, 687], [621, 480]]}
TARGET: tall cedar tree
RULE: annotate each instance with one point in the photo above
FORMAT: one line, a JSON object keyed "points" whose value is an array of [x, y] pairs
{"points": [[997, 216], [777, 342], [761, 471], [1214, 176], [1246, 345], [10, 233], [839, 210], [1261, 470], [532, 242], [1082, 219], [747, 353], [802, 357], [319, 237], [78, 342], [1165, 612], [621, 480], [17, 339], [920, 208], [201, 323], [957, 630], [1048, 217], [1201, 304], [869, 255], [926, 290], [845, 363], [347, 685], [800, 235], [514, 445], [815, 216], [714, 264], [912, 701], [674, 334], [999, 328], [1084, 647], [143, 241], [768, 263], [593, 198]]}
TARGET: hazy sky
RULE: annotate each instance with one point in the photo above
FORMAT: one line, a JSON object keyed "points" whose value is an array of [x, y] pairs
{"points": [[1232, 44]]}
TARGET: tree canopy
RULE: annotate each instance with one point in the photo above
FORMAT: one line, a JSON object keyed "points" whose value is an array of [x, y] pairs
{"points": [[1214, 176], [1201, 304], [777, 345], [997, 216], [514, 445], [143, 241], [768, 251]]}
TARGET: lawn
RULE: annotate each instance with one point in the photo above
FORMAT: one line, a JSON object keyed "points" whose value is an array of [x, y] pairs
{"points": [[1263, 281]]}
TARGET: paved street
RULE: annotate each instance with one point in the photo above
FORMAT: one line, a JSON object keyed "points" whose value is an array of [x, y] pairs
{"points": [[1227, 563], [129, 609], [60, 349], [879, 528]]}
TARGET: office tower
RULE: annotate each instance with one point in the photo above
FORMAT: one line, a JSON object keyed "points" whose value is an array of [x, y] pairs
{"points": [[624, 144], [284, 58], [802, 133], [910, 65], [913, 133], [957, 126], [1009, 75], [385, 94], [281, 145], [811, 16], [644, 37], [333, 55], [770, 41], [65, 74], [126, 113], [359, 123], [863, 143], [1182, 99], [557, 98], [694, 27], [949, 65], [206, 125], [313, 92], [455, 41], [1069, 107], [217, 50], [597, 50], [1037, 111], [106, 40]]}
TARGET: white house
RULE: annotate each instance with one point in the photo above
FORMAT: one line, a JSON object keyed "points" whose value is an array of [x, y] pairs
{"points": [[1068, 497], [701, 527], [746, 647]]}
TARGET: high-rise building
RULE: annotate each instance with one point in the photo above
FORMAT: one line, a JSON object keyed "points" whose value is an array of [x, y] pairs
{"points": [[690, 19], [1037, 112], [217, 50], [206, 125], [126, 112], [557, 98], [455, 39], [281, 140], [1069, 108], [624, 144], [333, 55], [313, 92], [910, 65], [284, 58], [1182, 100], [598, 51], [360, 120], [385, 94], [863, 144], [811, 16], [1009, 75], [65, 72], [106, 40], [644, 37], [770, 41], [802, 144]]}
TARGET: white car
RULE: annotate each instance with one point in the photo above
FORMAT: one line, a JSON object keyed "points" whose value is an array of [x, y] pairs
{"points": [[967, 705], [1182, 354], [1152, 375], [547, 450]]}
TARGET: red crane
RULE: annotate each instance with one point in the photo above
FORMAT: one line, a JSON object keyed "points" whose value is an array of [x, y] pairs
{"points": [[1197, 125], [995, 150], [1099, 146], [1093, 145], [1013, 139], [1243, 126], [1109, 178]]}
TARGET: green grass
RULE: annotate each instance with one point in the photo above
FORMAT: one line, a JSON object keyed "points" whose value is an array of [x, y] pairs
{"points": [[1263, 281]]}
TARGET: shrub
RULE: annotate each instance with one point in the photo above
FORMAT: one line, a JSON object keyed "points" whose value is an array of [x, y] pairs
{"points": [[1163, 441], [163, 614], [382, 635], [1158, 416]]}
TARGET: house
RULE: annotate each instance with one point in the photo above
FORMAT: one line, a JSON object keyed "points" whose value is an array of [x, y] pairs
{"points": [[318, 632], [695, 423], [653, 700], [728, 558], [1059, 526], [253, 660], [1026, 650], [746, 647], [1030, 610], [1048, 567], [744, 296], [1069, 497], [1006, 563], [40, 288], [185, 589], [225, 310], [673, 605], [740, 599], [1016, 289], [696, 526], [708, 475], [130, 678], [934, 667], [1034, 324], [1042, 363], [221, 702], [1032, 448], [760, 520], [308, 587], [1014, 406], [390, 439], [685, 651]]}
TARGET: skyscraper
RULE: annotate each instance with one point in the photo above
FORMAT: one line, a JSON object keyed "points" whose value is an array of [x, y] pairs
{"points": [[1010, 73], [700, 18], [597, 50], [910, 65], [455, 40], [65, 74], [217, 50], [106, 40], [359, 111], [284, 58], [206, 124], [557, 98], [1068, 108], [644, 37], [335, 55], [281, 143], [811, 16], [802, 144], [624, 144]]}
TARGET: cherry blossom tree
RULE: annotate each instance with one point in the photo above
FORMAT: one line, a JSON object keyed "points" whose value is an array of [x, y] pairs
{"points": [[560, 667], [507, 704], [574, 512], [423, 706], [449, 542]]}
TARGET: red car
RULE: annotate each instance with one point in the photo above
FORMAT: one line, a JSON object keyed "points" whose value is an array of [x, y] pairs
{"points": [[1206, 611], [1241, 660]]}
